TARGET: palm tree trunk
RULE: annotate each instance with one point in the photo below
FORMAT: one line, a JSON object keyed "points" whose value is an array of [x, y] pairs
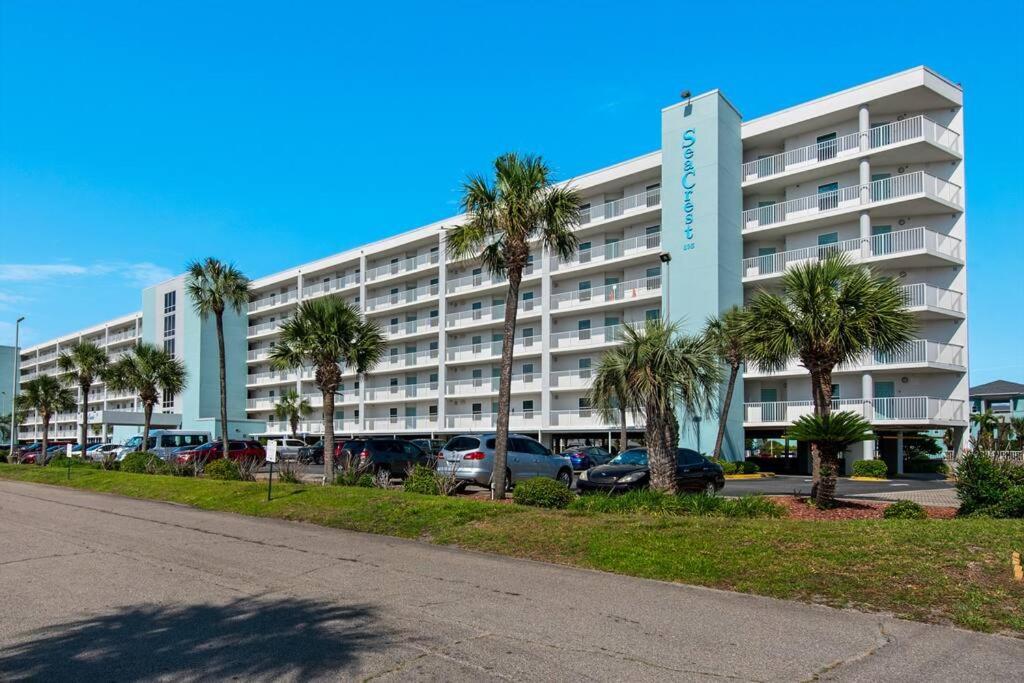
{"points": [[821, 393], [734, 370], [85, 421], [660, 451], [624, 434], [515, 276], [328, 437], [219, 315], [826, 494], [294, 423], [147, 417], [46, 439]]}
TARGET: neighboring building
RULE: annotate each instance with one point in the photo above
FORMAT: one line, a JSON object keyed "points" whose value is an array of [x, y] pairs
{"points": [[8, 383], [1004, 399], [875, 171]]}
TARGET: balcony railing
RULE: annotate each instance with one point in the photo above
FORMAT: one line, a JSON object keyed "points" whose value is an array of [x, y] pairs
{"points": [[262, 403], [489, 385], [482, 279], [877, 246], [410, 327], [345, 396], [618, 207], [272, 377], [402, 423], [485, 350], [269, 326], [571, 379], [876, 410], [914, 128], [408, 360], [920, 295], [403, 297], [258, 354], [490, 314], [403, 266], [402, 391], [475, 421], [854, 196], [335, 284], [917, 352], [619, 292], [589, 337], [587, 417], [276, 299], [122, 336], [609, 251]]}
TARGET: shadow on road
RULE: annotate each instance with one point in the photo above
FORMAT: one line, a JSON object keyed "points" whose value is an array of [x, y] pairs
{"points": [[290, 638]]}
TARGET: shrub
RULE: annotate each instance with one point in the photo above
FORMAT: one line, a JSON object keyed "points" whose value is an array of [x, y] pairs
{"points": [[422, 480], [701, 505], [542, 492], [904, 509], [748, 467], [63, 460], [355, 477], [751, 506], [925, 465], [870, 468], [224, 469], [981, 482], [1012, 504], [637, 500], [141, 462]]}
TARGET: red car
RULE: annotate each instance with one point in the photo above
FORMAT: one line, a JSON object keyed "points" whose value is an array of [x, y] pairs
{"points": [[237, 450]]}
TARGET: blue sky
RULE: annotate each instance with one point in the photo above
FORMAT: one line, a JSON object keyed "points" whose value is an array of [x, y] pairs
{"points": [[137, 136]]}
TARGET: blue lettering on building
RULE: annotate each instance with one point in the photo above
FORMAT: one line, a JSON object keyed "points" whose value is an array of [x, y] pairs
{"points": [[689, 185]]}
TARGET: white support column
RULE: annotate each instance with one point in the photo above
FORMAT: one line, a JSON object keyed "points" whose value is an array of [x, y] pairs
{"points": [[864, 178], [866, 451], [865, 234], [899, 452], [442, 340], [864, 127], [545, 337], [362, 380]]}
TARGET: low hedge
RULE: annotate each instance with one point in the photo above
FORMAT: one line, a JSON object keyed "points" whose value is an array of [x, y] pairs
{"points": [[224, 469], [905, 509], [141, 462], [422, 480], [542, 492], [354, 477], [737, 466], [699, 505], [64, 461], [870, 468]]}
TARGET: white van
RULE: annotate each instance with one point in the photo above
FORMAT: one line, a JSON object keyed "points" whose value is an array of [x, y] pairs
{"points": [[163, 442]]}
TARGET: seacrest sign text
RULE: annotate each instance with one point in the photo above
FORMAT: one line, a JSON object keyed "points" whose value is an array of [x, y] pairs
{"points": [[689, 184]]}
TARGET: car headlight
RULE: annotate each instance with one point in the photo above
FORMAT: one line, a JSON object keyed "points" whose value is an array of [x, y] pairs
{"points": [[632, 476], [584, 476]]}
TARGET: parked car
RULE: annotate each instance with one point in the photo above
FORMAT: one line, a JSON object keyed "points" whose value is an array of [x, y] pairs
{"points": [[52, 451], [431, 446], [163, 442], [212, 450], [585, 457], [312, 455], [470, 457], [98, 452], [384, 458], [629, 470], [288, 449]]}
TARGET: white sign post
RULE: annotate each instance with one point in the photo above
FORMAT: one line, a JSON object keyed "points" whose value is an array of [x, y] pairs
{"points": [[271, 458], [68, 451]]}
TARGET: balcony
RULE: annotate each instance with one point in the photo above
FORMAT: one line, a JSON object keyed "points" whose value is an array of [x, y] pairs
{"points": [[920, 246], [276, 299], [262, 403], [479, 421], [258, 354], [588, 418], [480, 281], [934, 194], [934, 300], [343, 397], [565, 380], [408, 296], [409, 265], [129, 335], [413, 327], [919, 354], [619, 293], [590, 337], [341, 427], [419, 423], [399, 392], [268, 327], [330, 285], [634, 203], [480, 386], [271, 377], [880, 411], [491, 350], [850, 147], [491, 314], [610, 251], [407, 360]]}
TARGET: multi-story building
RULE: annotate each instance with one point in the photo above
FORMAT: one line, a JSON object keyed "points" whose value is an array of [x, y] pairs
{"points": [[725, 207], [1004, 399]]}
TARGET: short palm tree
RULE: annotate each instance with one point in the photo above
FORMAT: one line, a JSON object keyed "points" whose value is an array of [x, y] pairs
{"points": [[292, 407], [1017, 425], [83, 363], [609, 395], [147, 371], [988, 425], [830, 434], [664, 371], [503, 216], [727, 333], [829, 312], [214, 287], [47, 396], [326, 333]]}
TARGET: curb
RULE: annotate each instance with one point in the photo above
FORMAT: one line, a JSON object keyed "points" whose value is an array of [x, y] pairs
{"points": [[868, 479], [759, 475]]}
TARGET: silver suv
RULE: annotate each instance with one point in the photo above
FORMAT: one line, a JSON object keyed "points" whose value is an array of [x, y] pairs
{"points": [[470, 457]]}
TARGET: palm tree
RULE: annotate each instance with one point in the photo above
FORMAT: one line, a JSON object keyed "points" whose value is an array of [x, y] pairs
{"points": [[83, 363], [1017, 425], [663, 370], [324, 333], [47, 396], [148, 371], [727, 333], [987, 424], [503, 216], [215, 286], [609, 394], [832, 434], [829, 312], [292, 407]]}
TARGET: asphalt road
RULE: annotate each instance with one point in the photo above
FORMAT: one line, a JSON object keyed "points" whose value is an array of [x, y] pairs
{"points": [[109, 588], [787, 484]]}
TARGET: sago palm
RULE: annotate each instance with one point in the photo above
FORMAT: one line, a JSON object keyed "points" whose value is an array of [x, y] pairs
{"points": [[831, 434], [47, 396], [727, 333], [664, 371], [215, 287], [82, 364], [148, 371], [327, 333], [292, 407], [504, 214]]}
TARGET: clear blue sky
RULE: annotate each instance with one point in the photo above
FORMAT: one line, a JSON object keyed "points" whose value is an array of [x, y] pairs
{"points": [[136, 136]]}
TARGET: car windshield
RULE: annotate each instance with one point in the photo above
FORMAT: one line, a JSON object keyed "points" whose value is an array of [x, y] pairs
{"points": [[637, 456]]}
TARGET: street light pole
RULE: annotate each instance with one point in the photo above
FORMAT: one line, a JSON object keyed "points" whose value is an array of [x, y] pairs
{"points": [[14, 378], [666, 258]]}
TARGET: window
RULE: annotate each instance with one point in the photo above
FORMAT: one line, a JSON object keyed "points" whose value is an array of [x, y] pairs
{"points": [[528, 371], [169, 325], [654, 271], [432, 412], [168, 400], [477, 409], [584, 290], [584, 251], [828, 196], [652, 314], [528, 408], [170, 302], [653, 194], [528, 336], [835, 391], [463, 443], [584, 406], [827, 146], [169, 347], [583, 328], [880, 188]]}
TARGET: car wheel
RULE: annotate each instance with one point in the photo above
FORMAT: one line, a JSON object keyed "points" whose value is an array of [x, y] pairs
{"points": [[709, 488], [565, 477]]}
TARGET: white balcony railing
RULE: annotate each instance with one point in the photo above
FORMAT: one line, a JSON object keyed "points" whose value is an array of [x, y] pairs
{"points": [[876, 410], [403, 266], [619, 292], [492, 349], [587, 417], [402, 391], [275, 299], [262, 403], [618, 207], [401, 423], [489, 314], [904, 186], [917, 352], [411, 327], [408, 360], [328, 285], [403, 297], [921, 295], [489, 385], [609, 251], [122, 336], [475, 421], [341, 427], [914, 128], [571, 379], [266, 327], [475, 281], [272, 377], [258, 354], [343, 397], [891, 244], [595, 336]]}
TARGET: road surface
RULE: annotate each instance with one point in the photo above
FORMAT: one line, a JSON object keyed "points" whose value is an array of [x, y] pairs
{"points": [[102, 587]]}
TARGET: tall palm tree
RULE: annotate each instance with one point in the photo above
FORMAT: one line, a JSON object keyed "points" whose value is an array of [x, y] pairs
{"points": [[47, 396], [291, 406], [663, 370], [727, 333], [1017, 425], [521, 204], [829, 312], [147, 371], [214, 287], [325, 333], [83, 363], [832, 433], [609, 395]]}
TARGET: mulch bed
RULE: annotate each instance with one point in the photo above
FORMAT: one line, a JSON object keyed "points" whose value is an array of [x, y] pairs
{"points": [[801, 508]]}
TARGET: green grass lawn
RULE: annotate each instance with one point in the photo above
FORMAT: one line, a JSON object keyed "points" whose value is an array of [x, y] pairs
{"points": [[946, 571]]}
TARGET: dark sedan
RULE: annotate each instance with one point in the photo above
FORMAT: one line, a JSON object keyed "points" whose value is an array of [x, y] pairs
{"points": [[585, 457], [629, 470]]}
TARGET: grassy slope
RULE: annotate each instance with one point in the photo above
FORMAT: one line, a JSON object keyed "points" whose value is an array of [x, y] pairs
{"points": [[933, 570]]}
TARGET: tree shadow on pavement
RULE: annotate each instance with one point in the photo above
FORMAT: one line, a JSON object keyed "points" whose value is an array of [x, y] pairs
{"points": [[247, 638]]}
